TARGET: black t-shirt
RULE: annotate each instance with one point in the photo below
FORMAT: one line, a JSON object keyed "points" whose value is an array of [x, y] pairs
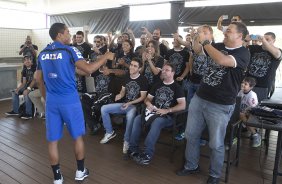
{"points": [[179, 59], [221, 84], [262, 66], [127, 58], [93, 55], [27, 73], [84, 49], [101, 82], [199, 67], [166, 95], [163, 50], [148, 72], [134, 86]]}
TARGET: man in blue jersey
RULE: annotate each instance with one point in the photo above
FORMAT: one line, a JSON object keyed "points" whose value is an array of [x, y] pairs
{"points": [[56, 80]]}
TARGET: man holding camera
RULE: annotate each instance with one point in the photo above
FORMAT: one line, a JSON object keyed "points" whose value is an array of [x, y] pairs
{"points": [[235, 18], [264, 62], [28, 49]]}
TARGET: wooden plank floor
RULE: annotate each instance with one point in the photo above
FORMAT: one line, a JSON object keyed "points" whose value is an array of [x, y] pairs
{"points": [[24, 159]]}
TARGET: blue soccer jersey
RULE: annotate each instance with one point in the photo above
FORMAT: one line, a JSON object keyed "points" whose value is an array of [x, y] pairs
{"points": [[57, 62]]}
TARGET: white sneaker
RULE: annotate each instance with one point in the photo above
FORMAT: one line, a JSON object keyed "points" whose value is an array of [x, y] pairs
{"points": [[125, 147], [60, 181], [256, 140], [80, 175], [107, 137]]}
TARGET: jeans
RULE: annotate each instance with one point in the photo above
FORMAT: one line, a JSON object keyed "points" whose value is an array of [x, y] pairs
{"points": [[116, 108], [28, 103], [155, 129], [191, 88], [203, 113]]}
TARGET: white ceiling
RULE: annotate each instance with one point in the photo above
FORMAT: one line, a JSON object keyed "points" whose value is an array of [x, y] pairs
{"points": [[67, 6]]}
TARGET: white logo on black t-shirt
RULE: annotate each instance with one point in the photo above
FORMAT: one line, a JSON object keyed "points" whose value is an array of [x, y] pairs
{"points": [[164, 97], [132, 90], [260, 64], [177, 60], [199, 64], [214, 73], [102, 83]]}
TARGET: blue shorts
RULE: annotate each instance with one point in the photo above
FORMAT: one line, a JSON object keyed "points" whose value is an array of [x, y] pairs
{"points": [[58, 114]]}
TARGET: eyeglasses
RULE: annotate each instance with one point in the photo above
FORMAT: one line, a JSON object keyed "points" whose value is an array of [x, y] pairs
{"points": [[234, 20], [97, 41]]}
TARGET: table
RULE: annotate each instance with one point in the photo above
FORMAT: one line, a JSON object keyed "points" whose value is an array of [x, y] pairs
{"points": [[255, 122]]}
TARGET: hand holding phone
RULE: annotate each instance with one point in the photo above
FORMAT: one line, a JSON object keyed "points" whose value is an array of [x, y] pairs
{"points": [[254, 37], [224, 17]]}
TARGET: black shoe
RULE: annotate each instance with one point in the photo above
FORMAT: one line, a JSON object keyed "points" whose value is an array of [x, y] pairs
{"points": [[12, 113], [96, 128], [185, 172], [213, 180], [26, 116], [130, 155], [144, 159]]}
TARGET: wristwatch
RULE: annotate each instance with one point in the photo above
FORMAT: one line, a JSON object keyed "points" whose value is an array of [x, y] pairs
{"points": [[205, 42], [28, 88]]}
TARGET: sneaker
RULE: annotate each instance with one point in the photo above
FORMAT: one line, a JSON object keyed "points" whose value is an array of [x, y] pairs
{"points": [[203, 142], [185, 172], [144, 159], [179, 136], [59, 181], [96, 128], [125, 147], [80, 175], [12, 113], [256, 140], [26, 116], [130, 155], [107, 137], [213, 180]]}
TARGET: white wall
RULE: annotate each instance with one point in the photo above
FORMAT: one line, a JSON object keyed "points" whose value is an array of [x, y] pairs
{"points": [[12, 39]]}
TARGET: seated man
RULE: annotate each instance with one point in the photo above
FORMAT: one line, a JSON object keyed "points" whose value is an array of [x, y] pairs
{"points": [[38, 101], [133, 91], [24, 88], [164, 98]]}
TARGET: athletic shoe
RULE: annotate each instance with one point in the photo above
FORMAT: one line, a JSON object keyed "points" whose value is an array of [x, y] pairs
{"points": [[125, 147], [12, 113], [144, 159], [107, 137], [80, 175], [26, 116], [256, 140], [59, 181], [179, 136], [185, 172], [213, 180]]}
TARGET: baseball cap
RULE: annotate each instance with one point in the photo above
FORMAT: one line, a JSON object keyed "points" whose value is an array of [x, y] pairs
{"points": [[27, 56]]}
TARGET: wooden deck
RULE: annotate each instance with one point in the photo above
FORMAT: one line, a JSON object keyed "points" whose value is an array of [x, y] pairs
{"points": [[24, 159]]}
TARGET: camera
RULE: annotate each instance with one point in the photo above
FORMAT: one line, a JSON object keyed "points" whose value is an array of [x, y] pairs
{"points": [[254, 37], [188, 29], [224, 17]]}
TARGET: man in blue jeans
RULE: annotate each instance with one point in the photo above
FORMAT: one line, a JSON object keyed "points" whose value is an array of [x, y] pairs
{"points": [[163, 99], [133, 92], [213, 103], [25, 87]]}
